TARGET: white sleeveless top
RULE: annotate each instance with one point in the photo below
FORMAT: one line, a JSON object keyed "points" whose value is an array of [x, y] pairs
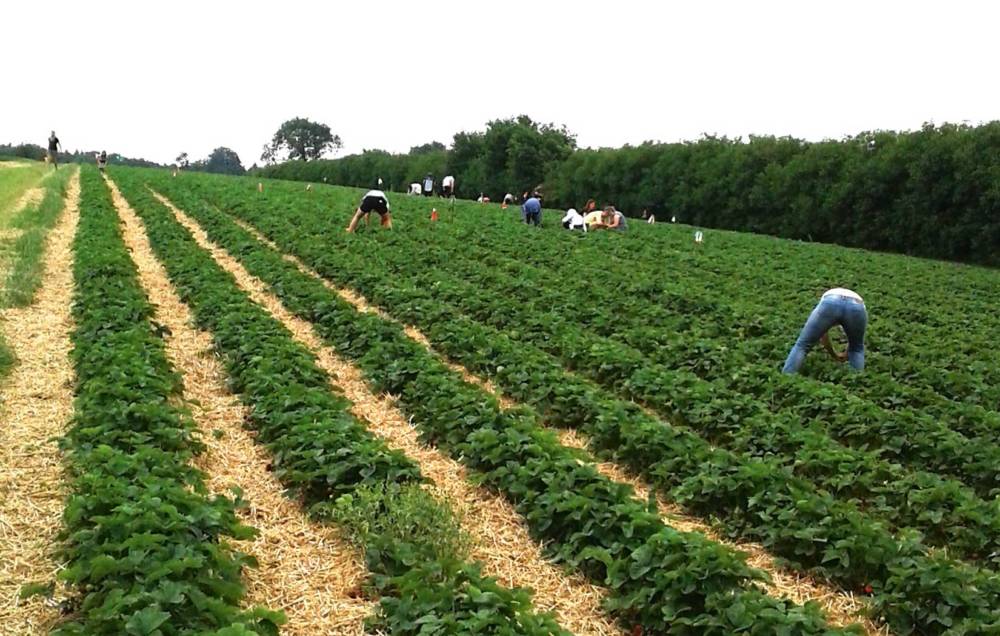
{"points": [[840, 291]]}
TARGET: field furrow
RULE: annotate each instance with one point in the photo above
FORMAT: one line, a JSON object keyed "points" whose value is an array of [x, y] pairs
{"points": [[305, 569], [843, 607], [413, 575], [875, 558], [293, 283], [501, 542]]}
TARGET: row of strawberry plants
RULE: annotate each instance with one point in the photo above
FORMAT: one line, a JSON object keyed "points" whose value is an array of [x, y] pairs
{"points": [[546, 311], [557, 251], [948, 513], [549, 250], [968, 418], [674, 307], [146, 544], [658, 294], [755, 500], [326, 457], [660, 579], [728, 338]]}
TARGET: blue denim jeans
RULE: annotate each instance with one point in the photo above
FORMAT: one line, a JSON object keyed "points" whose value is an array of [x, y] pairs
{"points": [[834, 310]]}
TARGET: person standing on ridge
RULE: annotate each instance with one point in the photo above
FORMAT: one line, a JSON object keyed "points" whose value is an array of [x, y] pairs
{"points": [[428, 185], [531, 210], [374, 200], [102, 160], [54, 148], [837, 306]]}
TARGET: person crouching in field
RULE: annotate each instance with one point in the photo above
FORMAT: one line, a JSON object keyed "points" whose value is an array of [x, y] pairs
{"points": [[573, 220], [374, 200], [837, 307], [614, 219]]}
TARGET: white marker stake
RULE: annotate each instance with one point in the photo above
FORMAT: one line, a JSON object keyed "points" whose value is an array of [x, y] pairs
{"points": [[698, 236], [260, 187], [673, 219]]}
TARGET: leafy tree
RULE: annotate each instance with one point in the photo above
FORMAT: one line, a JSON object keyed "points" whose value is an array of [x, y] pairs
{"points": [[267, 156], [222, 161], [423, 149], [301, 139], [182, 160]]}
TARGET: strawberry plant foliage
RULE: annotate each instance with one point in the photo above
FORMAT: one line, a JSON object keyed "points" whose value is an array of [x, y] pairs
{"points": [[146, 544], [502, 302], [328, 458]]}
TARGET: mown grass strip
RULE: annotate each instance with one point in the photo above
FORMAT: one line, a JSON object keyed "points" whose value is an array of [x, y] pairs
{"points": [[34, 223], [145, 543], [660, 579], [915, 591], [339, 469]]}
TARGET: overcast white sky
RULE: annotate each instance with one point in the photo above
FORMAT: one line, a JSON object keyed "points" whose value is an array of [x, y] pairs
{"points": [[153, 79]]}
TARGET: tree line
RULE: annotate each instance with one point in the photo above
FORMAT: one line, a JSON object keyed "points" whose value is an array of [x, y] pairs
{"points": [[932, 192], [511, 155]]}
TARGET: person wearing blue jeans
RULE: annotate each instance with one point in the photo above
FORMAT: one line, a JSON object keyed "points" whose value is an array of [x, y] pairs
{"points": [[837, 307], [531, 210]]}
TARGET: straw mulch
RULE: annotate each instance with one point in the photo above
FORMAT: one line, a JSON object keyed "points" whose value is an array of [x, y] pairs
{"points": [[31, 196], [36, 402], [500, 540], [305, 568]]}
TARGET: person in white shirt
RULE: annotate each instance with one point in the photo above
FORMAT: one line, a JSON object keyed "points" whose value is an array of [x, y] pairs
{"points": [[573, 220], [428, 185], [374, 200], [448, 186], [837, 306], [414, 189]]}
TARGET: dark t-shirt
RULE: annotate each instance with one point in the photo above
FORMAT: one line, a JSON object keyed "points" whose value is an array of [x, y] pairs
{"points": [[53, 143]]}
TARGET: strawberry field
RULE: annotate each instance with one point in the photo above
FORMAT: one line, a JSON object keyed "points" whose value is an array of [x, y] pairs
{"points": [[705, 492]]}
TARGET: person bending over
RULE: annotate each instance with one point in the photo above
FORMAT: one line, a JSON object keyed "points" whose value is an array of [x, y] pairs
{"points": [[837, 306], [531, 210], [448, 187], [573, 220], [374, 200]]}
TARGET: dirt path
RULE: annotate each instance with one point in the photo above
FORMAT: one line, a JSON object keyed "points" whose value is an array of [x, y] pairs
{"points": [[305, 568], [36, 403], [501, 542], [841, 607]]}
